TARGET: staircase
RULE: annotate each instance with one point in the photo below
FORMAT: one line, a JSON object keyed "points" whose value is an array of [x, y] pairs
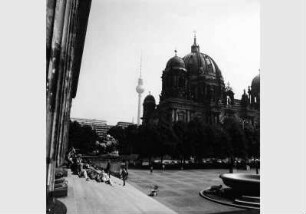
{"points": [[248, 201]]}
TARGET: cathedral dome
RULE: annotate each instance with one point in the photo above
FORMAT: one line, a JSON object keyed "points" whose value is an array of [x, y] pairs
{"points": [[175, 63], [149, 99], [198, 63], [256, 84]]}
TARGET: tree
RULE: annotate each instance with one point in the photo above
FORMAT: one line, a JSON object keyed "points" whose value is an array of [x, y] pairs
{"points": [[162, 141], [238, 140], [200, 139], [132, 139], [147, 138], [193, 136], [222, 147], [110, 143], [253, 139], [183, 146], [82, 137], [119, 134]]}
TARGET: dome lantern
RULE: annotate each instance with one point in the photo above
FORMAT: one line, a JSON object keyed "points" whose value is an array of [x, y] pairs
{"points": [[195, 47]]}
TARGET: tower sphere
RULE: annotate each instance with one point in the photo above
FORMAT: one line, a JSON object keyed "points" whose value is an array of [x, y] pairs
{"points": [[140, 88]]}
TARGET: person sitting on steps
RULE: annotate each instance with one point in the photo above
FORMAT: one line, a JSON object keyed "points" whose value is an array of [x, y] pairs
{"points": [[153, 191]]}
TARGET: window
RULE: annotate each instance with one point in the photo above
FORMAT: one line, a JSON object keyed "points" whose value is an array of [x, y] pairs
{"points": [[181, 116]]}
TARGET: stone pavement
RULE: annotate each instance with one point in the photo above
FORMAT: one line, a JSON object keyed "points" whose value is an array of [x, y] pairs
{"points": [[91, 197], [179, 189]]}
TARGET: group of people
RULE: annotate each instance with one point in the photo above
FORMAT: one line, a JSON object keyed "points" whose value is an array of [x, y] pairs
{"points": [[88, 170]]}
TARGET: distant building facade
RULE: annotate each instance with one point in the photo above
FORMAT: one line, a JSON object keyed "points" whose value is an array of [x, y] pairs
{"points": [[99, 126], [124, 124], [193, 87]]}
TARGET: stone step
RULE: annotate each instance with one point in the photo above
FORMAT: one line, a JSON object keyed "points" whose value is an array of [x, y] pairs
{"points": [[247, 203], [250, 198]]}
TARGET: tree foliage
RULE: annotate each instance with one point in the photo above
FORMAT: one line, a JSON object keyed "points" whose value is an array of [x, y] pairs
{"points": [[237, 137], [82, 137], [194, 139]]}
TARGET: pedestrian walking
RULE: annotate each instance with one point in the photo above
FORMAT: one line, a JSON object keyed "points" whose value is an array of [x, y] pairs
{"points": [[163, 167], [124, 175], [151, 169], [257, 166], [108, 167]]}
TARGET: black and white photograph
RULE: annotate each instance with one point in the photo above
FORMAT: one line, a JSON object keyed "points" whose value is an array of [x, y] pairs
{"points": [[153, 106]]}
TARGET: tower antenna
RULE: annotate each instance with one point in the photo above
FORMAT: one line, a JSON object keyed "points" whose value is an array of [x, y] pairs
{"points": [[139, 90], [140, 67]]}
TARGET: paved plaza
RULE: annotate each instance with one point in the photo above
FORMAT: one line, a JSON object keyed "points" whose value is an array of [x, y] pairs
{"points": [[179, 189], [178, 193], [91, 197]]}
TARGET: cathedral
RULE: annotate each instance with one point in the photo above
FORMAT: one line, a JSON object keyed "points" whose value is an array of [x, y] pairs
{"points": [[193, 87]]}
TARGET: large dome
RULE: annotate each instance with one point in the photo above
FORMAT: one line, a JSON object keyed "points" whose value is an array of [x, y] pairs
{"points": [[175, 63], [196, 77], [198, 63], [256, 84]]}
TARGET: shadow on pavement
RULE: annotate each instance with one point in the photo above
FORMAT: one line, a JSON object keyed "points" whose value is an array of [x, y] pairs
{"points": [[55, 206]]}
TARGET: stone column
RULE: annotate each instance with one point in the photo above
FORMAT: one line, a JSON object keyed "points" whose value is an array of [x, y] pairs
{"points": [[49, 25], [173, 115], [53, 78], [66, 79]]}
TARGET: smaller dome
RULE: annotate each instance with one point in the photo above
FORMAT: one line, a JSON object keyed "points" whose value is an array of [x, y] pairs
{"points": [[256, 84], [149, 99], [175, 63]]}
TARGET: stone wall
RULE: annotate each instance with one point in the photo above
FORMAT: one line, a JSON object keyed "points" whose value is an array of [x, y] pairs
{"points": [[66, 23]]}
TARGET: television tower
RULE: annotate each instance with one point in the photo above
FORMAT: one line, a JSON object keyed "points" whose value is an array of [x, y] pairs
{"points": [[139, 90]]}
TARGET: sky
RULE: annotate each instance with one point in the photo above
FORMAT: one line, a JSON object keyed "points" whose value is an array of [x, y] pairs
{"points": [[120, 32]]}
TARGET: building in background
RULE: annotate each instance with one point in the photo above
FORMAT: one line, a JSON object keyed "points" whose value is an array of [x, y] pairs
{"points": [[99, 126], [102, 130], [193, 87], [124, 124], [66, 24]]}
